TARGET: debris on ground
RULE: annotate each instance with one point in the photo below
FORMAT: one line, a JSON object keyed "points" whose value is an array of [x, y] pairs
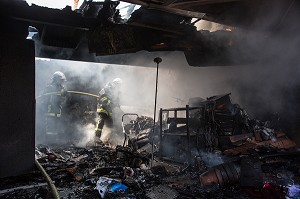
{"points": [[215, 152]]}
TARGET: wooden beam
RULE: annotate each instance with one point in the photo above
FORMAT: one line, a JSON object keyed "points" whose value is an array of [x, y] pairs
{"points": [[176, 11], [192, 3]]}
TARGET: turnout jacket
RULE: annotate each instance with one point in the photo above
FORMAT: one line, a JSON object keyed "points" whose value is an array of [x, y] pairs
{"points": [[54, 102], [108, 100]]}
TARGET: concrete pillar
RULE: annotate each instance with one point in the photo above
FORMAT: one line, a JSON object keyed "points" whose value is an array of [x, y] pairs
{"points": [[17, 104]]}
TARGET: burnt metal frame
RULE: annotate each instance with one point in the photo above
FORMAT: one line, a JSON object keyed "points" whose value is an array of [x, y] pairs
{"points": [[126, 137], [186, 109]]}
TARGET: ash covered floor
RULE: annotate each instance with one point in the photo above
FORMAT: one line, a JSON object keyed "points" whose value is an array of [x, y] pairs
{"points": [[251, 170], [213, 151], [76, 172]]}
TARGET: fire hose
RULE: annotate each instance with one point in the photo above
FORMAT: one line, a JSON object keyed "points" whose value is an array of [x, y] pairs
{"points": [[73, 92], [50, 183]]}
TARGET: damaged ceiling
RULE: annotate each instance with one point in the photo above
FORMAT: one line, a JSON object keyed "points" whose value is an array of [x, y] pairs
{"points": [[87, 34]]}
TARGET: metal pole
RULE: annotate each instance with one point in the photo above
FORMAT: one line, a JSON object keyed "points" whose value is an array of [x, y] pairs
{"points": [[161, 131], [157, 60], [187, 115]]}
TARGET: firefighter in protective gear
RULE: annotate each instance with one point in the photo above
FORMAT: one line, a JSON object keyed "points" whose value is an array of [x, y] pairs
{"points": [[53, 103], [107, 101]]}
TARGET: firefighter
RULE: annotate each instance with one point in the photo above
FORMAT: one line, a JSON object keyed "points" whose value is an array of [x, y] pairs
{"points": [[107, 101], [55, 96]]}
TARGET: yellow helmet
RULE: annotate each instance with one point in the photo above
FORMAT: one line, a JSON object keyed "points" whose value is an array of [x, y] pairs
{"points": [[116, 83], [58, 76]]}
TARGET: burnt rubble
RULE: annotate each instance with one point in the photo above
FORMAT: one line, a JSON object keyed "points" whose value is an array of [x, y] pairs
{"points": [[191, 159], [77, 170]]}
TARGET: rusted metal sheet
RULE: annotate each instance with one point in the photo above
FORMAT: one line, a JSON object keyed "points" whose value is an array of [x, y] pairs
{"points": [[236, 138], [223, 174], [282, 143], [240, 149]]}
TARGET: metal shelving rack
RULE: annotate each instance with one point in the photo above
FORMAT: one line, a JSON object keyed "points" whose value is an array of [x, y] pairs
{"points": [[175, 121]]}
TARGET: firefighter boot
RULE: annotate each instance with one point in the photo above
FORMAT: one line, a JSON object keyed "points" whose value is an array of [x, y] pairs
{"points": [[97, 139]]}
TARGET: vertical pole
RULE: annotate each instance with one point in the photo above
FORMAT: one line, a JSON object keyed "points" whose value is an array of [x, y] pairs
{"points": [[157, 60], [161, 131], [188, 132]]}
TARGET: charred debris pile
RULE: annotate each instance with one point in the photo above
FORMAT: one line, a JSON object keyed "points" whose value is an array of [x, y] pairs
{"points": [[208, 149]]}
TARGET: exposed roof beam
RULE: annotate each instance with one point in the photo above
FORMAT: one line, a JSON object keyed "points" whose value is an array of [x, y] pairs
{"points": [[168, 2], [199, 2], [177, 11]]}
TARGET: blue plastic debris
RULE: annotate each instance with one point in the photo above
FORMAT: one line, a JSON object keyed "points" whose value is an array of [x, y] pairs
{"points": [[107, 185], [293, 192], [116, 186]]}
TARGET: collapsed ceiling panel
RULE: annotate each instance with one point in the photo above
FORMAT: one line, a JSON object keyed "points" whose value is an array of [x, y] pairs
{"points": [[98, 28]]}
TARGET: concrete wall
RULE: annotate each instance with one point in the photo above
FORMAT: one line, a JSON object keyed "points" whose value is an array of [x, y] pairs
{"points": [[17, 105]]}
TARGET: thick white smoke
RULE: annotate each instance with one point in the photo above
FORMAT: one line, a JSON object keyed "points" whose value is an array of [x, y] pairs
{"points": [[267, 85], [86, 134], [256, 87]]}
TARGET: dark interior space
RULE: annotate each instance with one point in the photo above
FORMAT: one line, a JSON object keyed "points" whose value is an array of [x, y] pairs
{"points": [[18, 100]]}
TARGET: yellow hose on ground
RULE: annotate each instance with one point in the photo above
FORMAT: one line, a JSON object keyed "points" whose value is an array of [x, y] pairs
{"points": [[51, 184]]}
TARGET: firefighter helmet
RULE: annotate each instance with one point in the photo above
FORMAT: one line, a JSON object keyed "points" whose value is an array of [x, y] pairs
{"points": [[58, 77], [116, 83]]}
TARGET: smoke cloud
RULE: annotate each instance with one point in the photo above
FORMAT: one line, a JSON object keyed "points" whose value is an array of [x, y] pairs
{"points": [[269, 84], [86, 134]]}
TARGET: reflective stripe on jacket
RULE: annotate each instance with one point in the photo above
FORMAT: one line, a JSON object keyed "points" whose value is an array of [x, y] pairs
{"points": [[102, 110]]}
